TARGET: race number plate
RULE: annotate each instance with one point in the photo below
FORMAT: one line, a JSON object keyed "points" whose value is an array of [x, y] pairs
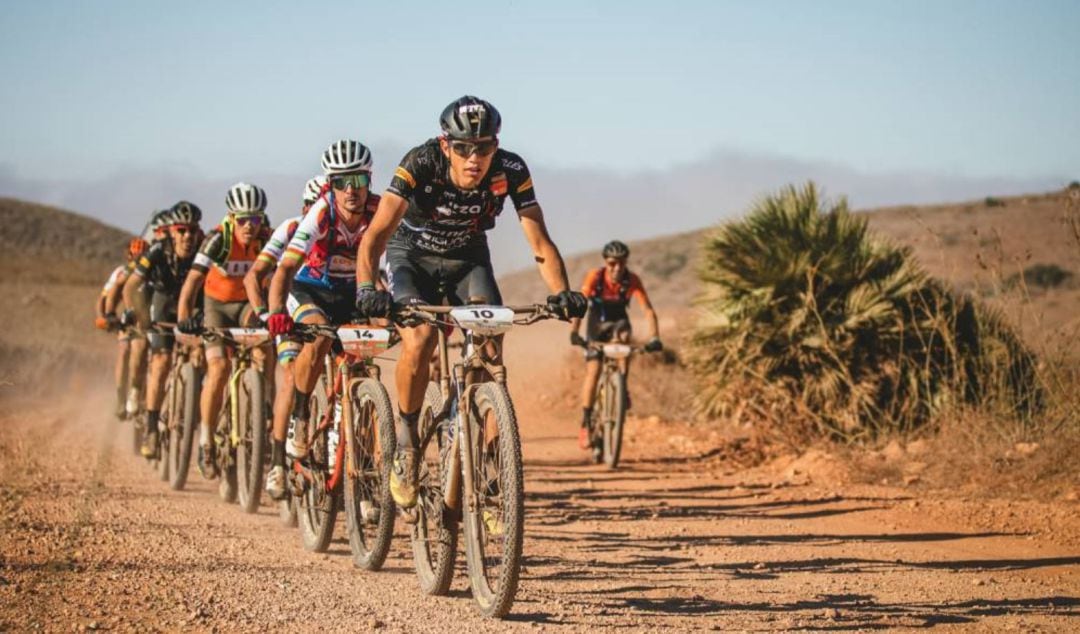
{"points": [[616, 350], [364, 342], [249, 336], [484, 320]]}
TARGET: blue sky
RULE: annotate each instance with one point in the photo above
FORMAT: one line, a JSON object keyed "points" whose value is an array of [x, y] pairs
{"points": [[975, 89]]}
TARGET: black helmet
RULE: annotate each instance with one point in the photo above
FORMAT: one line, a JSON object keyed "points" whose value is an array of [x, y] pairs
{"points": [[185, 213], [470, 118], [616, 249]]}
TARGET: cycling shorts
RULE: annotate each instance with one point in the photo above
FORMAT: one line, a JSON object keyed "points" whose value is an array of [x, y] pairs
{"points": [[464, 277], [218, 314], [337, 306], [162, 308], [603, 331]]}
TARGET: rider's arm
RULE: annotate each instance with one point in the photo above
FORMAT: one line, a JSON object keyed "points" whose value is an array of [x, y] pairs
{"points": [[192, 283], [282, 282], [547, 255], [588, 289], [253, 283], [112, 298], [131, 286], [638, 291], [387, 218], [99, 307]]}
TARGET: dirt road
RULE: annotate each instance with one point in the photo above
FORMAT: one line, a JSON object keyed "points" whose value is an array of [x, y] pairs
{"points": [[91, 540]]}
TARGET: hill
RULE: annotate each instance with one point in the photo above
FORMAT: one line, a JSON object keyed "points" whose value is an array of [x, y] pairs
{"points": [[53, 245]]}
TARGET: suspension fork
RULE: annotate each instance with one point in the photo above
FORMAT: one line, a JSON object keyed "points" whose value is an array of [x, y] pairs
{"points": [[234, 400]]}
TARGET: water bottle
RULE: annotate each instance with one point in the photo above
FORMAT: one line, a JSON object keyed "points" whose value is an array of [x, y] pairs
{"points": [[332, 436]]}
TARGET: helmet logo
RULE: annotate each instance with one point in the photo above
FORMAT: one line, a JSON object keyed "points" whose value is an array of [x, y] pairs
{"points": [[477, 108]]}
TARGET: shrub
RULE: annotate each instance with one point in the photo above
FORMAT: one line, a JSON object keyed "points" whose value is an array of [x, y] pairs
{"points": [[1042, 276], [814, 328], [994, 202]]}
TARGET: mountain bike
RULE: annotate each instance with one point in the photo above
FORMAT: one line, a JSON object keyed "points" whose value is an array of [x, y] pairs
{"points": [[472, 469], [242, 436], [609, 403], [351, 440]]}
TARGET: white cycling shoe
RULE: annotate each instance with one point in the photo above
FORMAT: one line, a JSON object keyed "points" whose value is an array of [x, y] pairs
{"points": [[296, 446], [275, 482]]}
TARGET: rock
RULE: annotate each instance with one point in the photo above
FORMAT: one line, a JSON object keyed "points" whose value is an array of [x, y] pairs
{"points": [[911, 479], [893, 451], [760, 566], [1025, 449], [978, 582]]}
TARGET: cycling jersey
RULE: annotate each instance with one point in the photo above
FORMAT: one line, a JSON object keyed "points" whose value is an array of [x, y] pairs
{"points": [[609, 298], [225, 262], [442, 218], [326, 246], [280, 239], [162, 269]]}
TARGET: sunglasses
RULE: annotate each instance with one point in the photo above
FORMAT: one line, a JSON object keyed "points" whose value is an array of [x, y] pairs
{"points": [[182, 230], [465, 149], [357, 181], [254, 221]]}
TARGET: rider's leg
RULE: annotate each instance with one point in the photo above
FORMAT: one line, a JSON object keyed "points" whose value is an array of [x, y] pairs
{"points": [[137, 369], [160, 360], [213, 392], [123, 349], [283, 397], [411, 375], [622, 335], [306, 371]]}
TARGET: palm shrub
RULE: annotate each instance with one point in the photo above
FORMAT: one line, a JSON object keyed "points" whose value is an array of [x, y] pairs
{"points": [[813, 327]]}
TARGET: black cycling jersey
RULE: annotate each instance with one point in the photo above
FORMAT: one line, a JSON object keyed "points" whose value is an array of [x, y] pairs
{"points": [[442, 218], [162, 269]]}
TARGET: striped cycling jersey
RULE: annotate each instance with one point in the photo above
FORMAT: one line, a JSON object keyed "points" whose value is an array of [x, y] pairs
{"points": [[326, 246], [118, 276], [279, 240]]}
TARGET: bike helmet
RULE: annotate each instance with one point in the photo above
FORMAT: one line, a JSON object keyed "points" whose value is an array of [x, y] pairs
{"points": [[245, 199], [185, 213], [136, 247], [616, 249], [470, 118], [160, 219], [313, 189], [345, 157]]}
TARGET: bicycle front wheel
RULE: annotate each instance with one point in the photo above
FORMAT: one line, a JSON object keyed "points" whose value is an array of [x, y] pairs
{"points": [[250, 452], [614, 417], [317, 508], [494, 527], [435, 534], [182, 423], [369, 508]]}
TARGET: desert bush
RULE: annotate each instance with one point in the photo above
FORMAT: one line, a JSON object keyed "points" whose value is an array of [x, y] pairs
{"points": [[813, 328], [994, 202], [1043, 276]]}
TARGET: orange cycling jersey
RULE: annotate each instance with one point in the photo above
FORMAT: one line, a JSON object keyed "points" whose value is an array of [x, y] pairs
{"points": [[599, 287], [225, 262]]}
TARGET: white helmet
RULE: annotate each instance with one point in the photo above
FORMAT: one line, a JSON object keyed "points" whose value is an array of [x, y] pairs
{"points": [[346, 156], [313, 188], [245, 198]]}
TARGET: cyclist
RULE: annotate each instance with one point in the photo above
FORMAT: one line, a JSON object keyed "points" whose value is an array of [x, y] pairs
{"points": [[108, 302], [226, 255], [156, 230], [163, 267], [287, 348], [322, 256], [432, 221], [609, 290]]}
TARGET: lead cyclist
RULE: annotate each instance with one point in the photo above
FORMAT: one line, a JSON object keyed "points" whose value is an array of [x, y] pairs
{"points": [[433, 222]]}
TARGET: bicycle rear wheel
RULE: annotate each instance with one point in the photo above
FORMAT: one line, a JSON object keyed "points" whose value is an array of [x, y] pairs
{"points": [[317, 508], [494, 528], [183, 420], [287, 511], [369, 508], [250, 452], [614, 417], [435, 534]]}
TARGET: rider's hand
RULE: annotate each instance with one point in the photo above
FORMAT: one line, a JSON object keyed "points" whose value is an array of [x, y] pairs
{"points": [[279, 324], [373, 302], [127, 318], [654, 345], [112, 323], [263, 313], [568, 304], [577, 340], [190, 326], [101, 323]]}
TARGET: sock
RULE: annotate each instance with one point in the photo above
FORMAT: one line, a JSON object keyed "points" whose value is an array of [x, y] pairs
{"points": [[152, 417], [204, 435], [406, 431], [586, 414], [300, 404], [278, 455]]}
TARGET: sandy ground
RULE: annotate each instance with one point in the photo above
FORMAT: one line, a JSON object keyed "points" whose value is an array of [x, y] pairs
{"points": [[92, 540]]}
